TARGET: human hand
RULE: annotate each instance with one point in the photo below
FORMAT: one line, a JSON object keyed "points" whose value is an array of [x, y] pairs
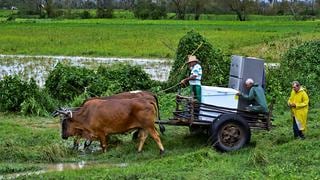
{"points": [[238, 93], [292, 104], [182, 82]]}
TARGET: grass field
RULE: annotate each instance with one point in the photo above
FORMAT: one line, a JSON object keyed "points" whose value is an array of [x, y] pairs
{"points": [[34, 143], [150, 39]]}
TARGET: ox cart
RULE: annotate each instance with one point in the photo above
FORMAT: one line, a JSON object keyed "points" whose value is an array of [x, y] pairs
{"points": [[228, 127]]}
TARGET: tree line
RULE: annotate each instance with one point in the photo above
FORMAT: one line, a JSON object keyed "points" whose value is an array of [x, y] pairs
{"points": [[157, 9]]}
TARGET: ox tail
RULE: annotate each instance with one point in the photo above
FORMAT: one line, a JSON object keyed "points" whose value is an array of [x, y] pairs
{"points": [[161, 127]]}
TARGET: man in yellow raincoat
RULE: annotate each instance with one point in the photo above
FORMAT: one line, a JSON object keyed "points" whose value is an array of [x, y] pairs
{"points": [[299, 104]]}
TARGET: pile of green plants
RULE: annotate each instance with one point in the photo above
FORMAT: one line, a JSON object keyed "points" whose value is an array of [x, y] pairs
{"points": [[214, 65]]}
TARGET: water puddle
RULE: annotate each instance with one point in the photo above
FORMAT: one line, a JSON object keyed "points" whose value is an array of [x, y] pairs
{"points": [[38, 67], [62, 167]]}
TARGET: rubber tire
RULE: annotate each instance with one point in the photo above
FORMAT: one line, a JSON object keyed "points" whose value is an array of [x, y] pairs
{"points": [[236, 121]]}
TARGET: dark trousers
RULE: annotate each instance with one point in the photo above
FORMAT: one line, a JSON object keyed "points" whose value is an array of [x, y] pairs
{"points": [[296, 131]]}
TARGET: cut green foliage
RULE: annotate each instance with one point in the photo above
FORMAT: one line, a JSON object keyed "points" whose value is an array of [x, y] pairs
{"points": [[215, 68]]}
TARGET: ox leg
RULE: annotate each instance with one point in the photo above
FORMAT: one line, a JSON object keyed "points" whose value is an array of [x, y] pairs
{"points": [[136, 134], [103, 142], [143, 134], [87, 143], [76, 143], [154, 134]]}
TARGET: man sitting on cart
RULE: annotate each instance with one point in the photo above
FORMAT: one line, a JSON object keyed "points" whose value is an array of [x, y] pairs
{"points": [[256, 96], [195, 77]]}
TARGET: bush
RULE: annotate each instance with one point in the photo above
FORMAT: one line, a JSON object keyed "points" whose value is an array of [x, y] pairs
{"points": [[40, 104], [11, 17], [85, 15], [26, 97], [104, 13], [302, 64], [66, 82], [124, 77], [146, 9], [77, 101], [274, 90], [13, 91], [214, 66]]}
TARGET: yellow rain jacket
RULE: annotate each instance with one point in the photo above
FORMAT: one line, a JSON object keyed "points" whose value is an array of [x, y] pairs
{"points": [[300, 112]]}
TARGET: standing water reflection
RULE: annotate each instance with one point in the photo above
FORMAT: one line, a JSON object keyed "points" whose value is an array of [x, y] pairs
{"points": [[38, 67]]}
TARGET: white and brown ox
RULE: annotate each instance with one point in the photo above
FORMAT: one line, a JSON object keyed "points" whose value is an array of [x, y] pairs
{"points": [[98, 118], [125, 95]]}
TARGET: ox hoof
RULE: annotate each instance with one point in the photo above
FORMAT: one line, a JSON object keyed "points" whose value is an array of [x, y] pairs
{"points": [[161, 152]]}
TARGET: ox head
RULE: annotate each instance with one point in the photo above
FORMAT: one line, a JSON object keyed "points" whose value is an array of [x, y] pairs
{"points": [[66, 121]]}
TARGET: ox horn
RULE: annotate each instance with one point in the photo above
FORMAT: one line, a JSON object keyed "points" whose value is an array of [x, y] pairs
{"points": [[58, 112]]}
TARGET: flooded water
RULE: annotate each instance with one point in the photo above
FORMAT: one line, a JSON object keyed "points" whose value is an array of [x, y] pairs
{"points": [[62, 167], [38, 67]]}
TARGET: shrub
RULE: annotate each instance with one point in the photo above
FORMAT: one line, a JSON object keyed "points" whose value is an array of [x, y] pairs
{"points": [[274, 90], [40, 104], [85, 15], [13, 91], [146, 9], [66, 82], [104, 13], [77, 101], [214, 66], [26, 97], [11, 17], [124, 77], [302, 64]]}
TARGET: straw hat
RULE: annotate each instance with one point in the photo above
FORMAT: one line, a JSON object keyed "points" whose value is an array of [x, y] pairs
{"points": [[192, 58]]}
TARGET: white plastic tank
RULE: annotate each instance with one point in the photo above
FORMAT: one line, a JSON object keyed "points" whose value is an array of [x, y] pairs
{"points": [[217, 96]]}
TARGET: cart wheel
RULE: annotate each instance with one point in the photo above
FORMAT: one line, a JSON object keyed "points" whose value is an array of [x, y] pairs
{"points": [[230, 132]]}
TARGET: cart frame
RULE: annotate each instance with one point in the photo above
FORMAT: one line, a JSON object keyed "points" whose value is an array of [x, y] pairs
{"points": [[228, 129]]}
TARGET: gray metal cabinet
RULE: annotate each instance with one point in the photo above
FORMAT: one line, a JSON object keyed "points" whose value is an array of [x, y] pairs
{"points": [[242, 68]]}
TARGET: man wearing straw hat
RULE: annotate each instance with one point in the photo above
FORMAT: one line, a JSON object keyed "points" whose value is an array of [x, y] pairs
{"points": [[195, 77]]}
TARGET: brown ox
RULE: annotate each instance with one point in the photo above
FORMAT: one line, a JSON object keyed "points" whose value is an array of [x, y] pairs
{"points": [[98, 118], [125, 95]]}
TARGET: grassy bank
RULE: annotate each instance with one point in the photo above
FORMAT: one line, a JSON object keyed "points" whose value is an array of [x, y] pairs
{"points": [[150, 39], [31, 143]]}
